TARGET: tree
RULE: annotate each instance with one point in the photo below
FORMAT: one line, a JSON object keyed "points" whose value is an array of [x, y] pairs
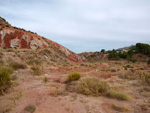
{"points": [[103, 50]]}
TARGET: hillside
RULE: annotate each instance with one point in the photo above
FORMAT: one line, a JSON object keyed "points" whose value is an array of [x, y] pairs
{"points": [[12, 37], [38, 75]]}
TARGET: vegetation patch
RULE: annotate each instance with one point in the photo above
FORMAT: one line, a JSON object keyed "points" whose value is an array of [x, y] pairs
{"points": [[119, 108], [56, 92], [73, 76], [33, 61], [37, 70], [16, 65], [117, 95], [30, 108], [95, 87], [145, 77], [45, 79], [47, 51], [5, 78], [92, 86]]}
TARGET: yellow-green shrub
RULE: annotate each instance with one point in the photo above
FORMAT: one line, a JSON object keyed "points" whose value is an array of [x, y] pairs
{"points": [[5, 78], [74, 76], [92, 86]]}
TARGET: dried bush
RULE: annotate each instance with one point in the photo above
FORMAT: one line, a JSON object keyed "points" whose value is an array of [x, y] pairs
{"points": [[37, 70], [16, 65], [92, 86]]}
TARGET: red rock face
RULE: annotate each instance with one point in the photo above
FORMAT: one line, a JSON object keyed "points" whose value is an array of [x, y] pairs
{"points": [[17, 38]]}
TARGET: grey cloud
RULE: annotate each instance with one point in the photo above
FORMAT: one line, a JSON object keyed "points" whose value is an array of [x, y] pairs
{"points": [[82, 25]]}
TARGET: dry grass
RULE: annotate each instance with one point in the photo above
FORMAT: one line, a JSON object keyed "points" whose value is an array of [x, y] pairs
{"points": [[37, 70], [92, 86], [117, 95], [16, 65], [56, 92], [145, 77], [95, 87], [119, 108]]}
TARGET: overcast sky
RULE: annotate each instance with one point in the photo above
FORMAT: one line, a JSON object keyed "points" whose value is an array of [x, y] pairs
{"points": [[82, 25]]}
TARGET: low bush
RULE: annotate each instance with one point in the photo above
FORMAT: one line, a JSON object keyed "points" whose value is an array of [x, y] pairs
{"points": [[117, 95], [73, 76], [16, 65], [92, 86], [47, 51], [36, 70], [5, 78]]}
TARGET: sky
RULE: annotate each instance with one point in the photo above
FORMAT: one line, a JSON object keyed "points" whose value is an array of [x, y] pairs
{"points": [[82, 25]]}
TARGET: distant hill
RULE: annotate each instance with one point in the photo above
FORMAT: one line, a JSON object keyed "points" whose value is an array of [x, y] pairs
{"points": [[125, 48], [138, 52]]}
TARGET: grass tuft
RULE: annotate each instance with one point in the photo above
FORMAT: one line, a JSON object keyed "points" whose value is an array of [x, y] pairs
{"points": [[119, 108], [37, 70], [117, 95]]}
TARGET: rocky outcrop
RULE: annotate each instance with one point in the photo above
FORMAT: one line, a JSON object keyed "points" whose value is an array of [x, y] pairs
{"points": [[21, 39]]}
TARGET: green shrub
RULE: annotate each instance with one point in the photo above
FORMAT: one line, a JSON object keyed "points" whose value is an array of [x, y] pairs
{"points": [[16, 65], [103, 50], [47, 51], [92, 86], [5, 78], [132, 60], [74, 76], [45, 79], [117, 95], [30, 109]]}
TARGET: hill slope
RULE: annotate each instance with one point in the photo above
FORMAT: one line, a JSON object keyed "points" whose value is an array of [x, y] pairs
{"points": [[19, 38]]}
